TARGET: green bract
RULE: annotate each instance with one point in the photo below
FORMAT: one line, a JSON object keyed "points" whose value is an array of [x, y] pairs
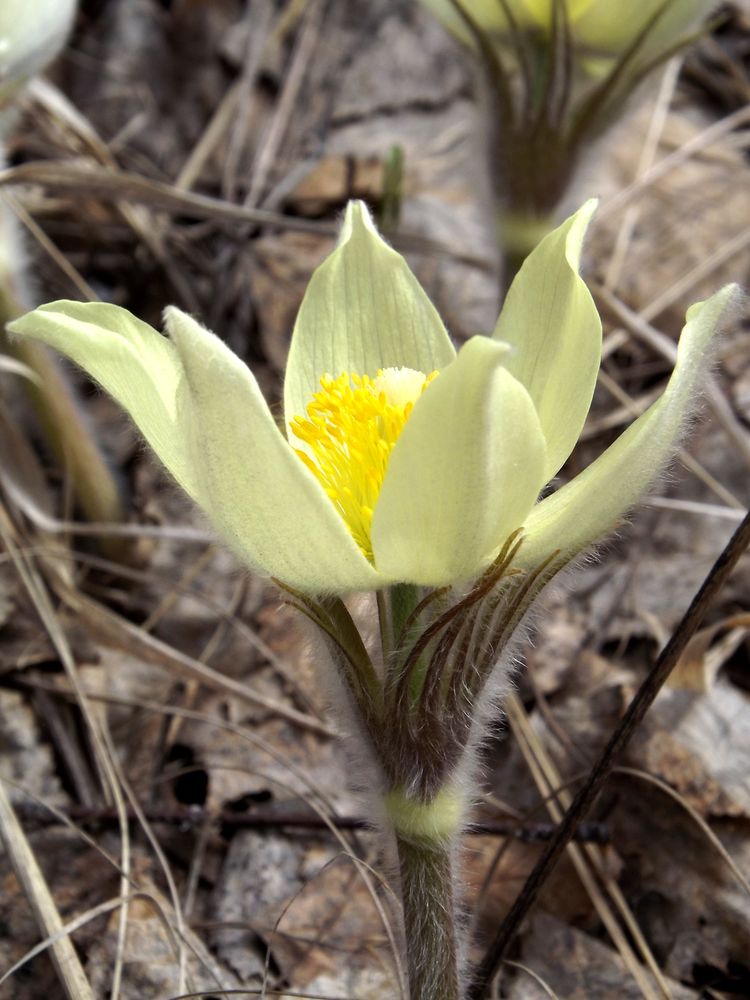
{"points": [[32, 32], [482, 440]]}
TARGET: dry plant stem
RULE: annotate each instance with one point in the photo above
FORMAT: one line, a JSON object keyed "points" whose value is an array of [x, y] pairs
{"points": [[427, 881], [588, 792], [190, 818], [112, 186], [28, 873]]}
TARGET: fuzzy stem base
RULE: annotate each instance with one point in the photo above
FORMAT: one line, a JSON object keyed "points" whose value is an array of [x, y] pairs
{"points": [[429, 920]]}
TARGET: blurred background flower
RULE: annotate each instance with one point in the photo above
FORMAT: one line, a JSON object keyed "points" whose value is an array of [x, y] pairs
{"points": [[555, 75], [32, 33]]}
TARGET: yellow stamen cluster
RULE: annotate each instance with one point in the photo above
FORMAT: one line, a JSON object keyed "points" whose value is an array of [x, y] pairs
{"points": [[350, 429]]}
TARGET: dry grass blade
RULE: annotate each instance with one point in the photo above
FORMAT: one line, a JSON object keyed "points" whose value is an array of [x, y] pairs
{"points": [[319, 803], [211, 137], [164, 864], [695, 816], [729, 248], [633, 717], [227, 617], [535, 976], [65, 930], [662, 167], [79, 283], [115, 629], [119, 186], [148, 229], [587, 860], [648, 152], [256, 46], [690, 463], [105, 760], [125, 874], [173, 594], [203, 995], [270, 147], [696, 507], [316, 799], [637, 323], [39, 596], [112, 185], [348, 856], [30, 876], [42, 519]]}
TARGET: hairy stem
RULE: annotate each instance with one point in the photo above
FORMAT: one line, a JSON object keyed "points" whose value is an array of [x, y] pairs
{"points": [[427, 890]]}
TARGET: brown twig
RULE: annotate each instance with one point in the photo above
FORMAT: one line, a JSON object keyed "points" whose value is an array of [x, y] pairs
{"points": [[600, 772], [273, 817]]}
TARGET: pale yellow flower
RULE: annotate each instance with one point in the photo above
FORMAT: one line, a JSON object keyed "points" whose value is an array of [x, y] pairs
{"points": [[401, 460]]}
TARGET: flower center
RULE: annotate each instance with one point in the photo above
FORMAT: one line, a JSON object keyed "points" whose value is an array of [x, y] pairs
{"points": [[349, 431]]}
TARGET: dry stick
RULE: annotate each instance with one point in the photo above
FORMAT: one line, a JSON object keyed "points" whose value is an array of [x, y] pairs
{"points": [[150, 230], [115, 629], [255, 50], [270, 146], [587, 861], [29, 874], [639, 324], [261, 818], [110, 185], [600, 772], [697, 144], [658, 120]]}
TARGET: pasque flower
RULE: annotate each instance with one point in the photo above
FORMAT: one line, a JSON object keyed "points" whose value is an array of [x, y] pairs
{"points": [[401, 465], [401, 460], [555, 76], [32, 32]]}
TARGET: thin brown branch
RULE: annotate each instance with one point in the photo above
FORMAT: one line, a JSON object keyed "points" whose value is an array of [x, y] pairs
{"points": [[273, 817], [589, 791]]}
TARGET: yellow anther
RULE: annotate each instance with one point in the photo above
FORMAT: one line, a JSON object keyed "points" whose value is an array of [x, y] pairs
{"points": [[349, 430]]}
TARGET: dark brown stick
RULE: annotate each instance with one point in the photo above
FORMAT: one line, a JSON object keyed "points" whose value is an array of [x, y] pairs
{"points": [[600, 772], [258, 818]]}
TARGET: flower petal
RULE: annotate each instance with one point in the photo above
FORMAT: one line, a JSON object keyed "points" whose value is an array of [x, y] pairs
{"points": [[551, 322], [590, 506], [133, 362], [201, 411], [263, 499], [464, 473], [363, 310], [602, 26]]}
